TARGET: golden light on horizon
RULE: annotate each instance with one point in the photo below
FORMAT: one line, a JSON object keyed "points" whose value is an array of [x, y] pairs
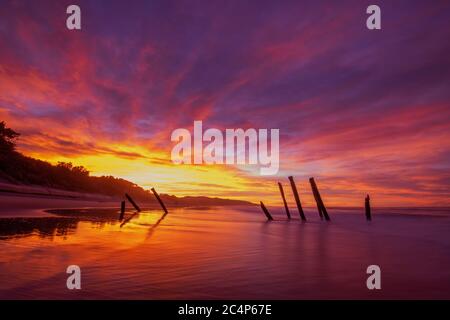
{"points": [[179, 180], [155, 169]]}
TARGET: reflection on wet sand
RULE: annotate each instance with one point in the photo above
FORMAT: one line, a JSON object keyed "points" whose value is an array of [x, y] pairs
{"points": [[225, 253], [134, 215], [65, 222], [46, 227], [153, 227]]}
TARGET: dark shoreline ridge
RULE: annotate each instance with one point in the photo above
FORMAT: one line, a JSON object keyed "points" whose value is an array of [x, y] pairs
{"points": [[31, 191], [20, 174]]}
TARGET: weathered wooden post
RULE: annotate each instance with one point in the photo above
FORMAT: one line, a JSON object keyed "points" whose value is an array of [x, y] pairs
{"points": [[297, 198], [319, 199], [122, 210], [159, 200], [368, 213], [266, 212], [132, 202], [319, 208], [318, 204], [284, 200]]}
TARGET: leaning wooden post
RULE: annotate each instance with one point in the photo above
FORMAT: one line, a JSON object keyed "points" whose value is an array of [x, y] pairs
{"points": [[122, 210], [319, 208], [297, 198], [318, 205], [368, 213], [159, 200], [284, 200], [132, 202], [266, 212], [319, 199]]}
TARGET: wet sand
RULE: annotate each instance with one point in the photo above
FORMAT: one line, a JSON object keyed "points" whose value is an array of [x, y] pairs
{"points": [[22, 205], [226, 253]]}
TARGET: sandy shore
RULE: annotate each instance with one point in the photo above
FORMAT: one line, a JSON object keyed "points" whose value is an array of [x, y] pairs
{"points": [[22, 205], [32, 201], [227, 253]]}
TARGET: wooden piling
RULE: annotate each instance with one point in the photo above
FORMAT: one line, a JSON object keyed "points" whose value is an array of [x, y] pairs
{"points": [[266, 212], [318, 205], [367, 205], [318, 198], [297, 199], [159, 200], [122, 210], [284, 200], [319, 208], [132, 202]]}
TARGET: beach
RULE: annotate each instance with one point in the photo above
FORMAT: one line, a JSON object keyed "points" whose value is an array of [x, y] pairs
{"points": [[220, 252]]}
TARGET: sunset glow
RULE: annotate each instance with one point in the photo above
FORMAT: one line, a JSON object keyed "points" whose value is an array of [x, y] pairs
{"points": [[362, 112]]}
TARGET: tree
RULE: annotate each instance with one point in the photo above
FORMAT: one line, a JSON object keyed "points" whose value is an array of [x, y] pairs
{"points": [[65, 165], [7, 139], [80, 170]]}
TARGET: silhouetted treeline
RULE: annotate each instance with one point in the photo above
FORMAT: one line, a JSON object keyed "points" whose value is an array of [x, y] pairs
{"points": [[19, 169]]}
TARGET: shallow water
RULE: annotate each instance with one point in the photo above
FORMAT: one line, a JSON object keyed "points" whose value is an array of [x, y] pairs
{"points": [[226, 253]]}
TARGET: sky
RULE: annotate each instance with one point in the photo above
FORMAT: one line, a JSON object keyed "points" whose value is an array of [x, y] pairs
{"points": [[362, 111]]}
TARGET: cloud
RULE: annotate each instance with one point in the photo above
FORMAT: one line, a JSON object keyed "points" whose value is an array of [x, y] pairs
{"points": [[363, 111]]}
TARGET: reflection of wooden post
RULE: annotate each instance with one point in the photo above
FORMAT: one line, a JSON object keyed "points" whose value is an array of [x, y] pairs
{"points": [[368, 213], [159, 200], [132, 202], [266, 212], [297, 198], [318, 198], [284, 200], [122, 210], [128, 219]]}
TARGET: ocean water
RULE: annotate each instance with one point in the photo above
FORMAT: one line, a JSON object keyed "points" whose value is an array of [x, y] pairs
{"points": [[226, 253]]}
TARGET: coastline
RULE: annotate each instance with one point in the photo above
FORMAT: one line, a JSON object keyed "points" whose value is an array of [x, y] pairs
{"points": [[23, 201]]}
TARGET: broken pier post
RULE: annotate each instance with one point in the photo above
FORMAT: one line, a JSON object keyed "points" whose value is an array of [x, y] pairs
{"points": [[132, 202], [318, 198], [266, 212], [284, 200], [318, 206], [367, 205], [122, 210], [159, 200], [297, 199]]}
